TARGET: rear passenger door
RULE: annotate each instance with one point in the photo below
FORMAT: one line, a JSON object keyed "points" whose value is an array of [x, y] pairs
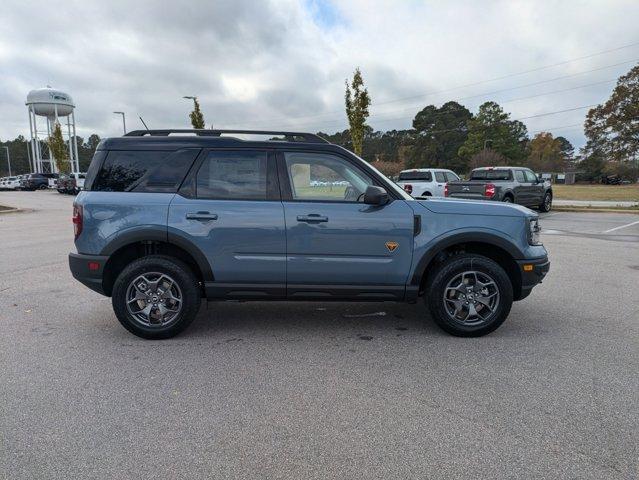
{"points": [[536, 188], [230, 209], [521, 190], [440, 183]]}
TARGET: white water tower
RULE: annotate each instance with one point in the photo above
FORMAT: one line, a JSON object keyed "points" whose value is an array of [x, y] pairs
{"points": [[54, 106]]}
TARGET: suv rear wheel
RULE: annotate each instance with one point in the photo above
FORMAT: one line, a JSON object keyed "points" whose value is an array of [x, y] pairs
{"points": [[156, 297], [469, 295]]}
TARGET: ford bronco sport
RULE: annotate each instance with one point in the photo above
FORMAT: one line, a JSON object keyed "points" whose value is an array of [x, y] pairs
{"points": [[165, 220]]}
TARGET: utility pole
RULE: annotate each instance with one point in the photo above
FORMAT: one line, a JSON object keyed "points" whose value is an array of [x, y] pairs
{"points": [[8, 159], [123, 121]]}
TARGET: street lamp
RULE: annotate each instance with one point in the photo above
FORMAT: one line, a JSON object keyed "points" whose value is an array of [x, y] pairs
{"points": [[8, 160], [123, 121]]}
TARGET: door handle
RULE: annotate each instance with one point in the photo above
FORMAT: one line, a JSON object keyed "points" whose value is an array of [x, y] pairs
{"points": [[312, 218], [201, 216]]}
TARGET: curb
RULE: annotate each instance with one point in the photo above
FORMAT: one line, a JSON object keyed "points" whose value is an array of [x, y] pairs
{"points": [[568, 208]]}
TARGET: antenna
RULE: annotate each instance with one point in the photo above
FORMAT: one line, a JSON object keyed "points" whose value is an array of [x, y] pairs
{"points": [[147, 128]]}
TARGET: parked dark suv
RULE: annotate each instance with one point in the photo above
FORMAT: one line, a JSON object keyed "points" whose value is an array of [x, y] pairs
{"points": [[166, 220], [37, 181]]}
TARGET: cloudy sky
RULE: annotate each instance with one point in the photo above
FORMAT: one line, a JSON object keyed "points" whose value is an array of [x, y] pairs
{"points": [[282, 63]]}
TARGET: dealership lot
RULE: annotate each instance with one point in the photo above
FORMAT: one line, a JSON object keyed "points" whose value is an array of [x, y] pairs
{"points": [[320, 390]]}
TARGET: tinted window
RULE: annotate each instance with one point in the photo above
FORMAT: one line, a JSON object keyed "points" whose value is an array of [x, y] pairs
{"points": [[451, 177], [233, 175], [121, 170], [94, 168], [141, 171], [490, 175], [318, 176], [423, 176], [519, 176], [439, 176]]}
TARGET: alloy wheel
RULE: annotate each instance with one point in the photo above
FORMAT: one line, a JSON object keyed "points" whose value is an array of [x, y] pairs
{"points": [[154, 299], [471, 298]]}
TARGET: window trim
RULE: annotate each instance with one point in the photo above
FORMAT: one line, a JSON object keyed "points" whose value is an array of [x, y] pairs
{"points": [[189, 185], [285, 181]]}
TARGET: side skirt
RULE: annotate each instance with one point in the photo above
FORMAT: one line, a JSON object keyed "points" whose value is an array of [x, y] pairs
{"points": [[353, 293]]}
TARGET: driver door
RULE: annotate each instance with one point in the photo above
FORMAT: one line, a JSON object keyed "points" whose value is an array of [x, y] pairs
{"points": [[337, 246]]}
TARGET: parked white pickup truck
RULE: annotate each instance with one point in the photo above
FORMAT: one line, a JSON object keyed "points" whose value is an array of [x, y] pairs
{"points": [[426, 182]]}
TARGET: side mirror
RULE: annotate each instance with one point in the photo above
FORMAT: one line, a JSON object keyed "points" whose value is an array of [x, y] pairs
{"points": [[375, 196]]}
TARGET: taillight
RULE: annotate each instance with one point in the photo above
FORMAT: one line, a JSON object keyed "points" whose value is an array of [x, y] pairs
{"points": [[489, 190], [408, 188], [445, 190], [77, 220]]}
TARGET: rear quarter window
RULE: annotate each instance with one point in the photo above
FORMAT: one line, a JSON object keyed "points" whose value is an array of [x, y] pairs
{"points": [[140, 171]]}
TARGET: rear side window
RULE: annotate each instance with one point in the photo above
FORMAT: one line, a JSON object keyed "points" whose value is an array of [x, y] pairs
{"points": [[142, 171], [422, 176], [233, 175], [439, 176]]}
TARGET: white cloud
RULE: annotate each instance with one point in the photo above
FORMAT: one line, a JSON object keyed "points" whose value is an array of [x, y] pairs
{"points": [[282, 64]]}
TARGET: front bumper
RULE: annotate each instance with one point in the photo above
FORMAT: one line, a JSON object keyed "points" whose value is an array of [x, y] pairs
{"points": [[88, 270], [532, 273]]}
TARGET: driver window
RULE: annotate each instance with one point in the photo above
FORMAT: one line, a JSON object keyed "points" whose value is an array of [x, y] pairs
{"points": [[319, 176]]}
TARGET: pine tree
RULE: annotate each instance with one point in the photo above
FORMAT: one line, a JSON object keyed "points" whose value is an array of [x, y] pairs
{"points": [[357, 102], [197, 118]]}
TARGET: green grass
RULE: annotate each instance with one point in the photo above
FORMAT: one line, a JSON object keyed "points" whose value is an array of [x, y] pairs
{"points": [[625, 193]]}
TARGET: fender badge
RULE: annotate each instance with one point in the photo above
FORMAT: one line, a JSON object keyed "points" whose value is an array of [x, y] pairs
{"points": [[392, 246]]}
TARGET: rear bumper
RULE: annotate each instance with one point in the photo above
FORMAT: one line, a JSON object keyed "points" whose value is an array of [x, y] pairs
{"points": [[88, 269], [531, 278]]}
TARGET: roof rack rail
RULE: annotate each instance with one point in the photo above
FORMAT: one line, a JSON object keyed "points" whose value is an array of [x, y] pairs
{"points": [[289, 136]]}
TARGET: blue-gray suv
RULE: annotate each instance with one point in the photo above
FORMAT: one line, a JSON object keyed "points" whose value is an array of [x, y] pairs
{"points": [[166, 219]]}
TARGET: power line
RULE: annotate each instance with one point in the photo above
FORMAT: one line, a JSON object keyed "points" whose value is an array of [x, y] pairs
{"points": [[336, 122], [545, 67]]}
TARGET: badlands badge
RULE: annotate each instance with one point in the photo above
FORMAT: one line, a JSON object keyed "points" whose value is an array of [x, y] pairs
{"points": [[392, 246]]}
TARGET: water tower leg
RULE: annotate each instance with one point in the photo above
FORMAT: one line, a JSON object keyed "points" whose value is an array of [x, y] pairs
{"points": [[71, 156], [75, 143]]}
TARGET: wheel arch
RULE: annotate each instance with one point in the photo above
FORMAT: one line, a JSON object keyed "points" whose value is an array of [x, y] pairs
{"points": [[140, 243], [491, 246]]}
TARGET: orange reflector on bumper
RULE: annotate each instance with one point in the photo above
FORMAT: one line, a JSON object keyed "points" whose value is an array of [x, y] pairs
{"points": [[528, 268]]}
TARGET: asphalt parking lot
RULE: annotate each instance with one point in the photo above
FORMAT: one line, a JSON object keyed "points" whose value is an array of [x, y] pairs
{"points": [[320, 390]]}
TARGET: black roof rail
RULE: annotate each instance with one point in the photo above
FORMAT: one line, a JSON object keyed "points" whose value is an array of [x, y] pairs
{"points": [[288, 136]]}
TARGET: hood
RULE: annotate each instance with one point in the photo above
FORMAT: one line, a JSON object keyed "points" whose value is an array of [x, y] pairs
{"points": [[475, 207]]}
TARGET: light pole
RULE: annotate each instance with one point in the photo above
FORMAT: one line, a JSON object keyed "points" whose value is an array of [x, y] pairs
{"points": [[123, 121], [8, 159]]}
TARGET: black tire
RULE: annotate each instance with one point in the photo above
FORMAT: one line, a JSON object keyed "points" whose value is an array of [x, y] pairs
{"points": [[426, 194], [452, 268], [183, 277], [43, 187], [546, 203], [508, 199]]}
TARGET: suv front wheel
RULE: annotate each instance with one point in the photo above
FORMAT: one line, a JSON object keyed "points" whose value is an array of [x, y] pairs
{"points": [[156, 297], [469, 295]]}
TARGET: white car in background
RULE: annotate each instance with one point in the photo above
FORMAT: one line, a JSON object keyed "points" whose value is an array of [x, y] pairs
{"points": [[426, 182], [11, 183]]}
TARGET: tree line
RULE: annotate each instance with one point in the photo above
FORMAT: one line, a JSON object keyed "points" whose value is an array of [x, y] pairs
{"points": [[451, 136]]}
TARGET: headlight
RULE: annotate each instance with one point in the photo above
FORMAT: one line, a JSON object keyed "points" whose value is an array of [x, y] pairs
{"points": [[534, 237]]}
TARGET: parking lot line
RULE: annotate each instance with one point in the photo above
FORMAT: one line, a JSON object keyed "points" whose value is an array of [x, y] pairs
{"points": [[622, 226]]}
